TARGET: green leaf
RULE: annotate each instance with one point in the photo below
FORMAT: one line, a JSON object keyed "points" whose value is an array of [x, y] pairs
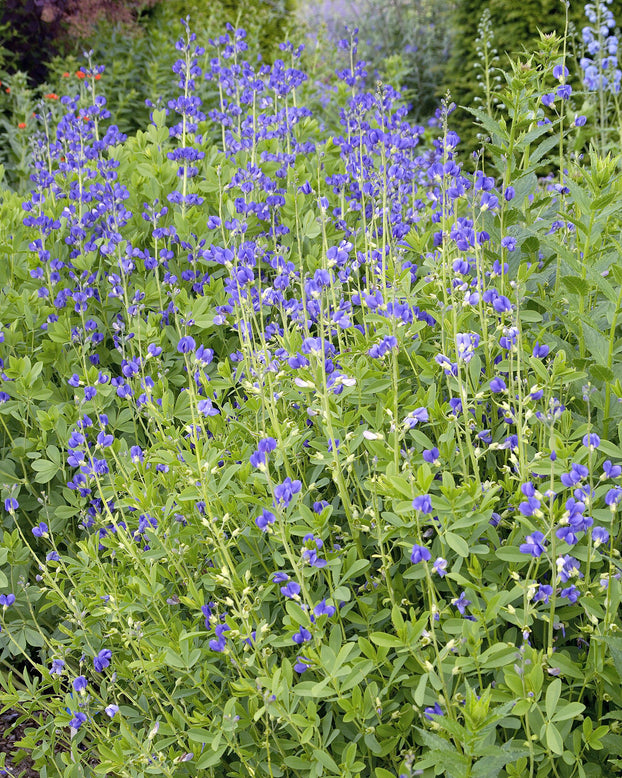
{"points": [[45, 470], [457, 543], [386, 641], [553, 738], [553, 691], [570, 710], [575, 285]]}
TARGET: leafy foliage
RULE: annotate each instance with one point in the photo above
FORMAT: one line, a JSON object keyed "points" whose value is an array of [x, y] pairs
{"points": [[310, 441]]}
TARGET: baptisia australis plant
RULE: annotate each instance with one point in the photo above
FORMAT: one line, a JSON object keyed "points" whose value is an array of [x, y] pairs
{"points": [[300, 475]]}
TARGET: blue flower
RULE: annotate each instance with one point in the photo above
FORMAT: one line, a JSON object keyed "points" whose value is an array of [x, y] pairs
{"points": [[265, 519], [461, 603], [302, 664], [221, 641], [431, 455], [322, 609], [534, 544], [497, 385], [78, 720], [57, 667], [600, 536], [440, 566], [111, 710], [291, 590], [102, 660], [302, 636], [430, 712], [416, 416], [610, 470], [423, 503], [6, 600], [591, 441], [570, 593], [41, 530], [540, 351], [283, 493], [11, 504], [80, 683], [186, 344], [420, 554], [543, 594]]}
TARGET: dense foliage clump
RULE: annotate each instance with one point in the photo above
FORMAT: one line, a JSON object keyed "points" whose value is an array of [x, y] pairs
{"points": [[310, 437]]}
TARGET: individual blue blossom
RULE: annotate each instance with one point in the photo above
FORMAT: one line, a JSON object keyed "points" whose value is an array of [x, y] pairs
{"points": [[440, 566], [284, 493], [57, 667], [534, 544], [509, 193], [577, 473], [280, 577], [136, 454], [322, 609], [186, 344], [540, 351], [302, 636], [41, 530], [291, 590], [560, 72], [613, 497], [415, 417], [423, 503], [567, 534], [265, 519], [102, 660], [266, 446], [600, 536], [11, 504], [570, 593], [219, 643], [208, 611], [420, 554], [508, 243], [310, 554], [206, 408], [543, 594], [580, 121], [466, 343], [79, 684], [591, 441], [610, 470], [461, 603], [430, 712], [431, 455], [111, 710], [498, 385], [78, 720], [568, 567], [302, 664], [6, 600]]}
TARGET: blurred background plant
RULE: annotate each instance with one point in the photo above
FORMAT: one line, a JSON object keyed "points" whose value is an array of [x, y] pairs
{"points": [[404, 42]]}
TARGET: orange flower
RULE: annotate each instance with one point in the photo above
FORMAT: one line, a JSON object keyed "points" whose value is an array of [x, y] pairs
{"points": [[51, 96], [98, 76], [22, 125], [66, 75], [8, 90], [80, 73]]}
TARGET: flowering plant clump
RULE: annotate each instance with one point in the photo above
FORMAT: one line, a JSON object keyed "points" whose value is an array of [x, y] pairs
{"points": [[311, 441]]}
